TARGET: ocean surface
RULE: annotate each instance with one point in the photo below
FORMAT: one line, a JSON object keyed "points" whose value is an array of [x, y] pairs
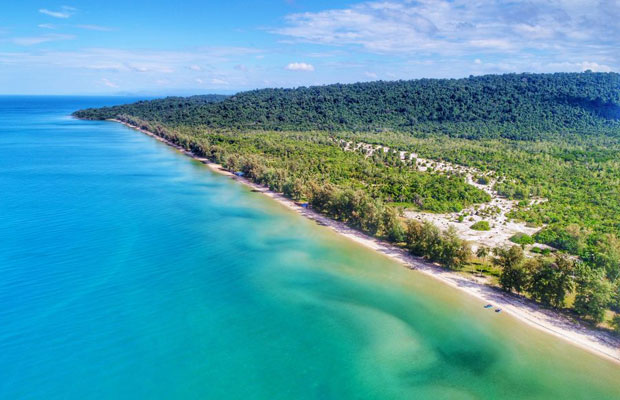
{"points": [[128, 271]]}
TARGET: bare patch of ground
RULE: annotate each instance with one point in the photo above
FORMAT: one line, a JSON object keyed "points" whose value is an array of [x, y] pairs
{"points": [[495, 212]]}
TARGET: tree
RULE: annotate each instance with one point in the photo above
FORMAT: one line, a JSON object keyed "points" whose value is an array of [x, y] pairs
{"points": [[369, 214], [321, 195], [392, 227], [232, 162], [513, 275], [454, 252], [423, 239], [593, 293], [551, 281], [483, 253], [615, 302], [295, 189], [606, 256], [426, 240], [571, 238], [615, 322]]}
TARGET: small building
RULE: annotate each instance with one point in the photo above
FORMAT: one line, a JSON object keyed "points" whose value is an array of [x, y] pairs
{"points": [[239, 173]]}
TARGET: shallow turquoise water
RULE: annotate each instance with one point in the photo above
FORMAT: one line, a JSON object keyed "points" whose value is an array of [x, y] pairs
{"points": [[128, 271]]}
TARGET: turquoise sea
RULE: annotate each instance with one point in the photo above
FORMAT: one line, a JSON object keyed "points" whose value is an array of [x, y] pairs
{"points": [[128, 271]]}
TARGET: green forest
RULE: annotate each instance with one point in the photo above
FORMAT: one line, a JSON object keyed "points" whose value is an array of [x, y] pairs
{"points": [[514, 106], [551, 136]]}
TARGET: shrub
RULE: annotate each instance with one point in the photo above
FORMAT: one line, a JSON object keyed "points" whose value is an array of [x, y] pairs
{"points": [[483, 180], [521, 238], [481, 226]]}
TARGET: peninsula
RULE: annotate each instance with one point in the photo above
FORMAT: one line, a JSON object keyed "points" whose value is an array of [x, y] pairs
{"points": [[534, 155]]}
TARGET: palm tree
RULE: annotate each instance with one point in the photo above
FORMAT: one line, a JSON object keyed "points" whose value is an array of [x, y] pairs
{"points": [[482, 253]]}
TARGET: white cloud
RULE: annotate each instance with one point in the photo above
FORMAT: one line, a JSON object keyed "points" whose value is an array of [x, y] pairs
{"points": [[547, 29], [581, 66], [495, 44], [596, 67], [30, 41], [140, 69], [97, 28], [64, 12], [195, 67], [533, 31], [142, 66], [135, 69], [109, 83], [212, 81], [371, 75], [537, 65], [121, 60], [300, 66], [47, 26]]}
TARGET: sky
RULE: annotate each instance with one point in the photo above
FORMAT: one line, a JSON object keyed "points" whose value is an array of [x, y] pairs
{"points": [[159, 47]]}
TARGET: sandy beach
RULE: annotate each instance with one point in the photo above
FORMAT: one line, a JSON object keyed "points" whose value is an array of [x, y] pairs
{"points": [[595, 341]]}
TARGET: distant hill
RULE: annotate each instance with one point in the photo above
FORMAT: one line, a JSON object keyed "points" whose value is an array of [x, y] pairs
{"points": [[168, 108], [515, 106]]}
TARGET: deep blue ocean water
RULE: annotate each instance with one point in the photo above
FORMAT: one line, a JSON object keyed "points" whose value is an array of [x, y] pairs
{"points": [[128, 271]]}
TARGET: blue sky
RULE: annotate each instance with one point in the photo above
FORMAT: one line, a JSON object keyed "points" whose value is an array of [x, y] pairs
{"points": [[190, 46]]}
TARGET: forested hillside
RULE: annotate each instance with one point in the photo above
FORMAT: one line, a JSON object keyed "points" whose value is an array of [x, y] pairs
{"points": [[176, 109], [550, 137], [514, 106]]}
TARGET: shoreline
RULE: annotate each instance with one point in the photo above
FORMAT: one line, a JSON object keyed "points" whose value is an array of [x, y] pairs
{"points": [[597, 342]]}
